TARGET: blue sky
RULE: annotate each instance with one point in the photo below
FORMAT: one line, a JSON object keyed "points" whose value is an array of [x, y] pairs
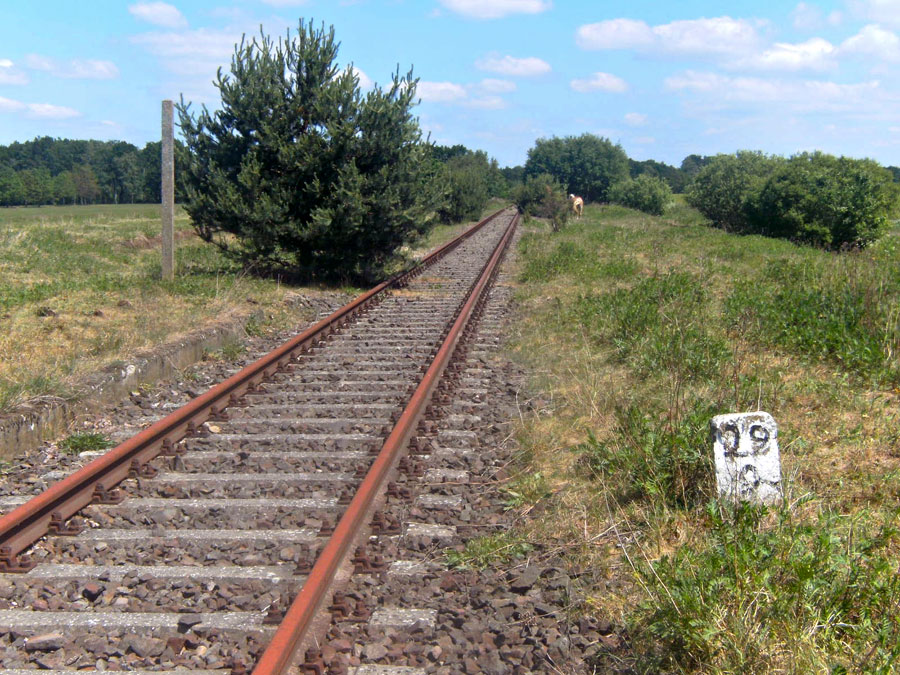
{"points": [[665, 79]]}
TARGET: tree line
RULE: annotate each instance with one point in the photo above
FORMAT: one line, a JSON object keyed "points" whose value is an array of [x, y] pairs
{"points": [[61, 171]]}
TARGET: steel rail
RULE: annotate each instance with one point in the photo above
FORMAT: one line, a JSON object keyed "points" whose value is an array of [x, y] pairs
{"points": [[277, 657], [95, 482]]}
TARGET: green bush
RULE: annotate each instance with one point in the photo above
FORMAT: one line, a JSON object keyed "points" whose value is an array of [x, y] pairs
{"points": [[299, 171], [724, 189], [465, 185], [83, 442], [828, 201], [645, 193], [544, 197]]}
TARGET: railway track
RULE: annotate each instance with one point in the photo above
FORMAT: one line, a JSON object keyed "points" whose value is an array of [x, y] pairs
{"points": [[216, 539]]}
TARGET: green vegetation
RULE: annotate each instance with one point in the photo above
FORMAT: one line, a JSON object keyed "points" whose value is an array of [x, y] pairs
{"points": [[59, 171], [825, 592], [543, 196], [724, 189], [467, 179], [827, 201], [482, 552], [84, 442], [301, 173], [676, 178], [639, 329], [80, 287], [644, 193], [585, 165]]}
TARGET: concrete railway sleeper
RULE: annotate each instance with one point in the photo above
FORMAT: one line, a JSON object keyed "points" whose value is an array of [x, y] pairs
{"points": [[212, 538]]}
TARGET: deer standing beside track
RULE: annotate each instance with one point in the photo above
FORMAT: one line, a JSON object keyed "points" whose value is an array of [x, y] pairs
{"points": [[577, 205]]}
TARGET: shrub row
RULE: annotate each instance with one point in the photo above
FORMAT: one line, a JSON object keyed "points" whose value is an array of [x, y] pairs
{"points": [[815, 198]]}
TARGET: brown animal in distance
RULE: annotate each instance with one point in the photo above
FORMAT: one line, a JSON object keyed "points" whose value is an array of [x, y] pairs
{"points": [[577, 205]]}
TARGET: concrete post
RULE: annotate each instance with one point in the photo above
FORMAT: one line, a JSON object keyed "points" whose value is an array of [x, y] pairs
{"points": [[168, 191], [748, 466]]}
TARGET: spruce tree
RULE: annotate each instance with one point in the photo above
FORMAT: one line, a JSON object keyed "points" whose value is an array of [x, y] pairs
{"points": [[300, 172]]}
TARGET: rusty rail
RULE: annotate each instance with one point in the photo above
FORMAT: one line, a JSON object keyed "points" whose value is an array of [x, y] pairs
{"points": [[96, 481], [297, 621]]}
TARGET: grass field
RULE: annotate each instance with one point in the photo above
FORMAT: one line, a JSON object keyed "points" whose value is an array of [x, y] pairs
{"points": [[639, 329], [80, 287]]}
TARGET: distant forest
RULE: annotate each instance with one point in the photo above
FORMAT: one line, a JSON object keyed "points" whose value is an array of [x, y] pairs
{"points": [[59, 171]]}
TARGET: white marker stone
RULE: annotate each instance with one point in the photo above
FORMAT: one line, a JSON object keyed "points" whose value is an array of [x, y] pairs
{"points": [[748, 467]]}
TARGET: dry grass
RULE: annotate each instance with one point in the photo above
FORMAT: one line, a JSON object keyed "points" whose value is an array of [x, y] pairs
{"points": [[80, 288]]}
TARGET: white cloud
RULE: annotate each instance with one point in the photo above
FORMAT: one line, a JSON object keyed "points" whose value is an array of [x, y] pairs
{"points": [[441, 92], [634, 119], [9, 105], [52, 112], [720, 35], [814, 54], [875, 42], [484, 94], [497, 86], [159, 14], [76, 69], [615, 34], [600, 82], [810, 17], [37, 110], [495, 9], [194, 52], [720, 91], [512, 66], [6, 63], [92, 69]]}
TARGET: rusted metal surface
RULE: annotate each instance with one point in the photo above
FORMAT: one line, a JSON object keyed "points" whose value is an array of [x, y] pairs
{"points": [[96, 482], [299, 617]]}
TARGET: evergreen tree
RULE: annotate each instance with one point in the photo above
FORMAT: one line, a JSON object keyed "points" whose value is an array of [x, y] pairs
{"points": [[306, 173]]}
